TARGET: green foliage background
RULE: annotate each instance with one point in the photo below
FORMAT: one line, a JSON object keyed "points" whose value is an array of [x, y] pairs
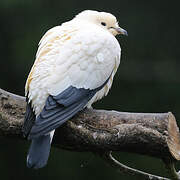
{"points": [[148, 79]]}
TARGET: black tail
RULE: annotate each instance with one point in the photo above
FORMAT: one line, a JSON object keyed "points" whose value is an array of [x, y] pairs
{"points": [[39, 152]]}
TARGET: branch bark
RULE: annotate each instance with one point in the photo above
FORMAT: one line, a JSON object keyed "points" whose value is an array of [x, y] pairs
{"points": [[101, 131]]}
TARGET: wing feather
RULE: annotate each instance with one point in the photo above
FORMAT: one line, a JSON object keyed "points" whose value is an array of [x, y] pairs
{"points": [[58, 109], [29, 119]]}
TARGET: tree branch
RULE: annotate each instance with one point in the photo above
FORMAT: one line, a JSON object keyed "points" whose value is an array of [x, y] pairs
{"points": [[107, 156], [101, 131]]}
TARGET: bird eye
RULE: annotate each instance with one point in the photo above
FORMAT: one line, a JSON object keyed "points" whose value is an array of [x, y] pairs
{"points": [[103, 23]]}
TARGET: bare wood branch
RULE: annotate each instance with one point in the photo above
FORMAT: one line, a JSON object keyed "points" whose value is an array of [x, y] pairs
{"points": [[107, 156], [99, 131]]}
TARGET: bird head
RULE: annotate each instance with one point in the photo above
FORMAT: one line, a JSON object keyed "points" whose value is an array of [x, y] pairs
{"points": [[104, 20]]}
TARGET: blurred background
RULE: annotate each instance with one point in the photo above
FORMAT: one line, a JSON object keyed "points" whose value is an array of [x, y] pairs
{"points": [[148, 79]]}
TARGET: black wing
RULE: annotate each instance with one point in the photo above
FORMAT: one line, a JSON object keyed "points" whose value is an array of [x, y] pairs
{"points": [[58, 109], [29, 119]]}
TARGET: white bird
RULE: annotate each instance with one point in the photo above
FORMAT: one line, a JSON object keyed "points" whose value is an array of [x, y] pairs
{"points": [[74, 67]]}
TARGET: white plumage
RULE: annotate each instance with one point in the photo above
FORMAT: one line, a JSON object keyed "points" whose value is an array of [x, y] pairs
{"points": [[82, 53]]}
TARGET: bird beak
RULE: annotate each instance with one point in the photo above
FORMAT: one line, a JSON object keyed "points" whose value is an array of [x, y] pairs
{"points": [[121, 31]]}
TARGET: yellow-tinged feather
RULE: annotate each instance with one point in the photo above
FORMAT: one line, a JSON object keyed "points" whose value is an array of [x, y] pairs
{"points": [[45, 48]]}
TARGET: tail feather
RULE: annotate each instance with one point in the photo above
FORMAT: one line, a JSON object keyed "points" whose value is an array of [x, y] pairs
{"points": [[39, 151]]}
